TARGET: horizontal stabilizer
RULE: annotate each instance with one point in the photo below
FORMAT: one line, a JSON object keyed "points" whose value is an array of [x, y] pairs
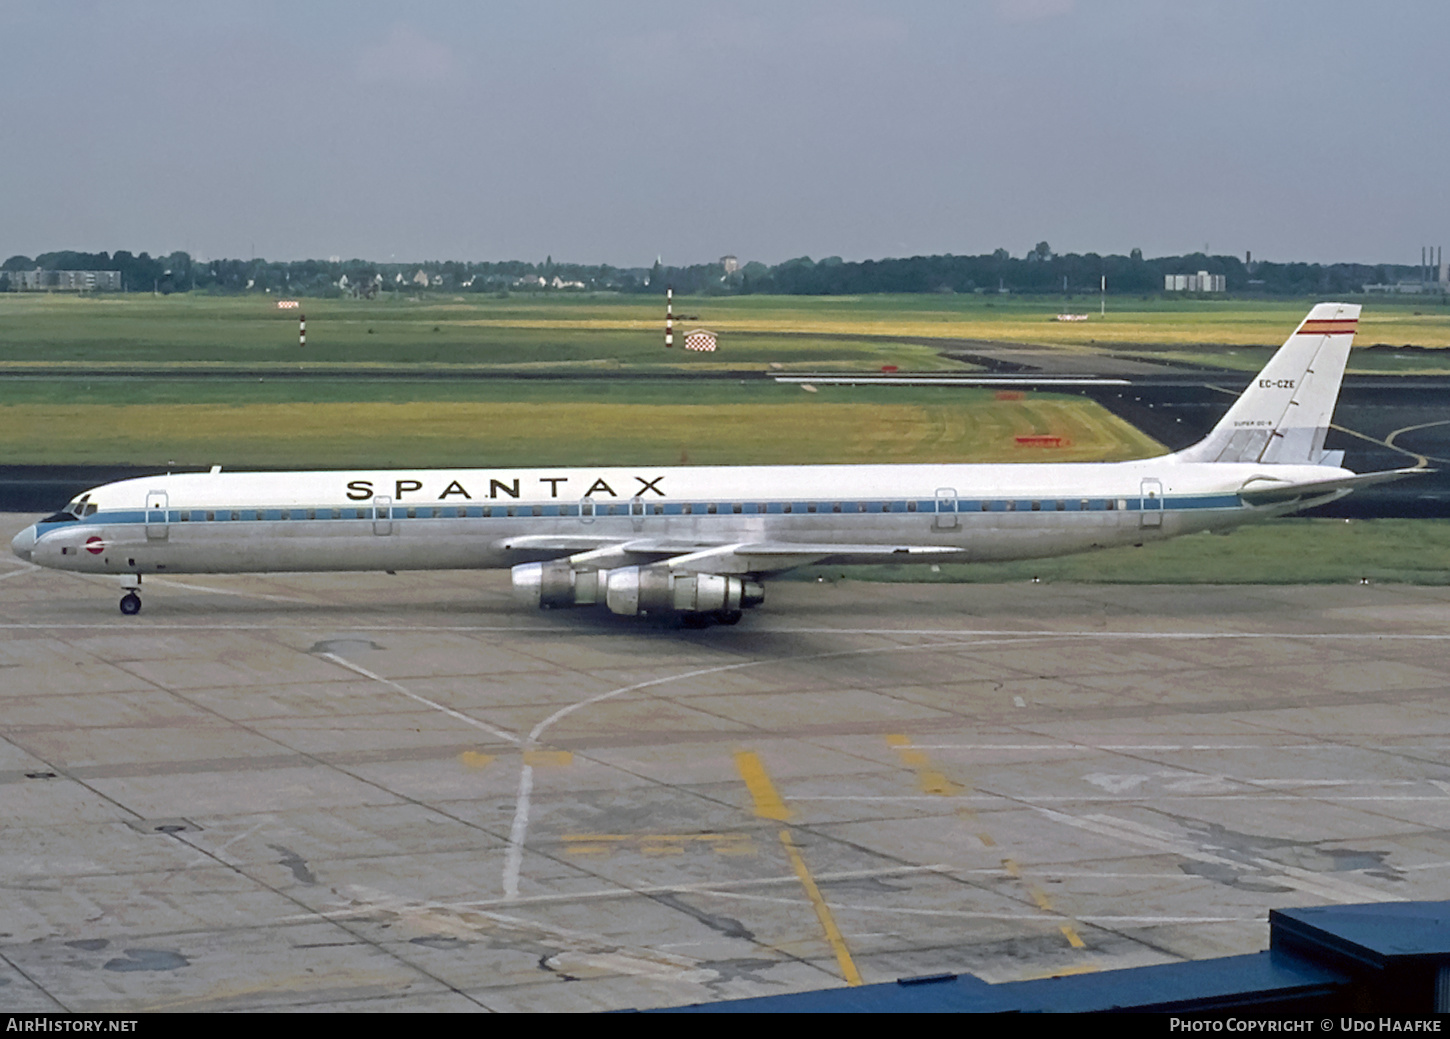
{"points": [[1262, 490]]}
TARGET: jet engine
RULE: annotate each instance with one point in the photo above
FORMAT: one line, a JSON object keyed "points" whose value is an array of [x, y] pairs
{"points": [[634, 590]]}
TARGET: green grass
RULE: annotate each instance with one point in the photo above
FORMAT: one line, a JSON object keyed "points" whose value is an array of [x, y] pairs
{"points": [[1284, 551], [575, 333], [495, 423], [591, 332]]}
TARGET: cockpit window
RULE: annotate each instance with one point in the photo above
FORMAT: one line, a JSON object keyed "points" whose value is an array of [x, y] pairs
{"points": [[77, 508]]}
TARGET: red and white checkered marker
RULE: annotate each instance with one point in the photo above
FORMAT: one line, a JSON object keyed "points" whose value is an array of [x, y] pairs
{"points": [[700, 339], [287, 304], [669, 317]]}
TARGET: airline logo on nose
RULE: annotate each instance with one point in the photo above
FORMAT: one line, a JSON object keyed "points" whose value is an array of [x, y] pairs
{"points": [[95, 546]]}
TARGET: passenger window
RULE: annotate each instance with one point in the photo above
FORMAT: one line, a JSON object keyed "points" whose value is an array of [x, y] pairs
{"points": [[211, 517], [236, 515], [810, 507], [711, 508], [1037, 506], [737, 508], [1110, 505]]}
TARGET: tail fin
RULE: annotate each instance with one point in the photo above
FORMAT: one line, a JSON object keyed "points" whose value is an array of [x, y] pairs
{"points": [[1283, 417]]}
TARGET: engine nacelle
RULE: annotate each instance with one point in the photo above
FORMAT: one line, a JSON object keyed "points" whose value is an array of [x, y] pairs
{"points": [[555, 584], [633, 590]]}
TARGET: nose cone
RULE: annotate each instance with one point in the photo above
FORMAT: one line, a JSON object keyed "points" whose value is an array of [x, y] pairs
{"points": [[23, 542]]}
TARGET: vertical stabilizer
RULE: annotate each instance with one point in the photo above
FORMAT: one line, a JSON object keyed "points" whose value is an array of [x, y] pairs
{"points": [[1283, 417]]}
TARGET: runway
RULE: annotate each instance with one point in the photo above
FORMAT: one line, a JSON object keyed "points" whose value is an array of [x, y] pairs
{"points": [[373, 792]]}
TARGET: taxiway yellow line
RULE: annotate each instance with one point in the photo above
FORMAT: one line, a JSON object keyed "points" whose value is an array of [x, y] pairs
{"points": [[823, 911], [770, 805]]}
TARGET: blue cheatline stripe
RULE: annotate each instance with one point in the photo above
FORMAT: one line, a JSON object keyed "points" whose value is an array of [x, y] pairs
{"points": [[924, 507]]}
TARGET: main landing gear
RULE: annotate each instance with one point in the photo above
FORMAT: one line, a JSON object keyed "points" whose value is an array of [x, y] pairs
{"points": [[131, 600], [704, 620]]}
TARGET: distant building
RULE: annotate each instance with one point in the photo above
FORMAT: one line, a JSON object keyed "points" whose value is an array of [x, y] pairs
{"points": [[65, 281], [1200, 282], [1407, 288], [730, 263]]}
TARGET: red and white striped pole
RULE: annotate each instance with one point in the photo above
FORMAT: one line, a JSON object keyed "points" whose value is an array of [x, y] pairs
{"points": [[301, 329], [669, 316]]}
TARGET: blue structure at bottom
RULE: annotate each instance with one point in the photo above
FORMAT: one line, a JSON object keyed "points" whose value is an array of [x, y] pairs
{"points": [[1379, 958]]}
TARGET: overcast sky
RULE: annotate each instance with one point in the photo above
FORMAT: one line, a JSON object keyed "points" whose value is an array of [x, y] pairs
{"points": [[604, 132]]}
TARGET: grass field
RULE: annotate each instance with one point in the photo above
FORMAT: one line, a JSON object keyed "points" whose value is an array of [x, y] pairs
{"points": [[279, 424], [1283, 551], [589, 332]]}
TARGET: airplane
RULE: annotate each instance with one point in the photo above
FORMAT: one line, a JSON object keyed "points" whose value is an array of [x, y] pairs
{"points": [[697, 542]]}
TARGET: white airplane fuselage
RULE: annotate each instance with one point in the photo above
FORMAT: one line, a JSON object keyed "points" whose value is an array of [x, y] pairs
{"points": [[487, 518]]}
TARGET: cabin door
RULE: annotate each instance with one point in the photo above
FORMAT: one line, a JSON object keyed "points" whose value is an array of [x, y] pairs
{"points": [[946, 509], [382, 514], [156, 528], [1151, 504]]}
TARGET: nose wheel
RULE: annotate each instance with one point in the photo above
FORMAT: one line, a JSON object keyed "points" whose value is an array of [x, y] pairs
{"points": [[130, 604]]}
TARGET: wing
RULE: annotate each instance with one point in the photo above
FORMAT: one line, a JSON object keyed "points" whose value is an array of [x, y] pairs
{"points": [[746, 557]]}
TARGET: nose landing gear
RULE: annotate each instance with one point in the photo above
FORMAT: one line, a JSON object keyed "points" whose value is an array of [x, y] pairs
{"points": [[131, 600]]}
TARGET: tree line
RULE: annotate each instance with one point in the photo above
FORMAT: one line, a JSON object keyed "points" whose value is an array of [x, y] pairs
{"points": [[1038, 271]]}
